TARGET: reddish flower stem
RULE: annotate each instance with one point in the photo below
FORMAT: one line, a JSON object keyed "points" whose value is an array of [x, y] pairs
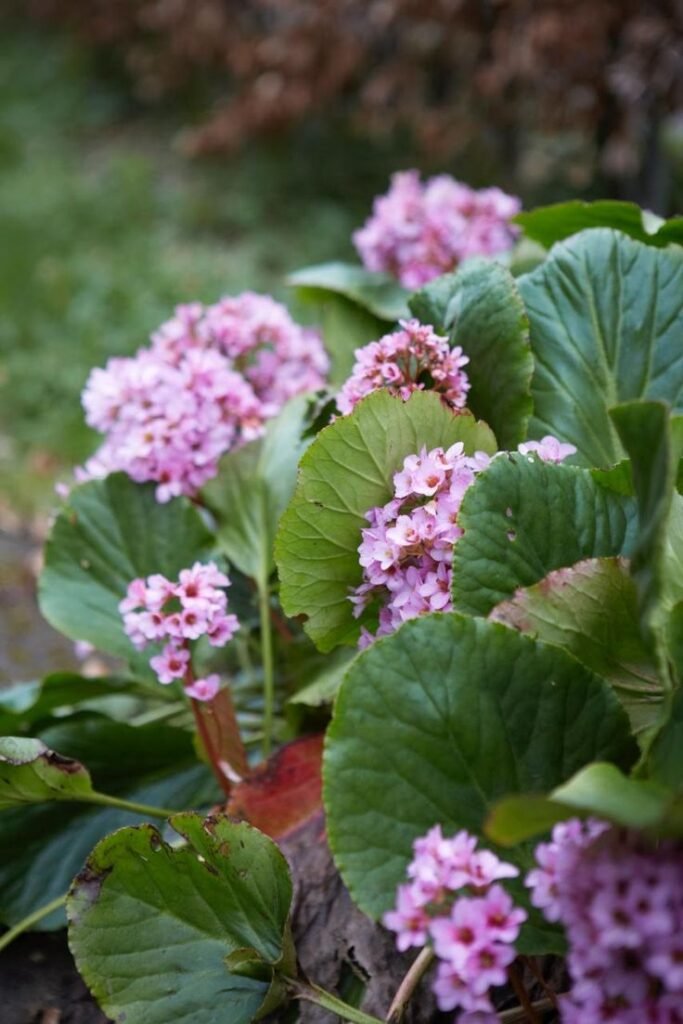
{"points": [[532, 964], [520, 991], [209, 748]]}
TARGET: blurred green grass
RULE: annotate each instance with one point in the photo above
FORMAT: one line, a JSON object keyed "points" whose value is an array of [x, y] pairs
{"points": [[104, 227]]}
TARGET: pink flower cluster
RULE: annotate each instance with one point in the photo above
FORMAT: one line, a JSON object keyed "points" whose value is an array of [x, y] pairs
{"points": [[620, 901], [406, 552], [473, 935], [407, 549], [408, 360], [419, 231], [157, 609], [209, 381]]}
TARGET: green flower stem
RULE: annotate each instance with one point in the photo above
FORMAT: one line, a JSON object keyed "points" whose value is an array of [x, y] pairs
{"points": [[126, 805], [267, 660], [312, 994], [406, 989], [31, 919]]}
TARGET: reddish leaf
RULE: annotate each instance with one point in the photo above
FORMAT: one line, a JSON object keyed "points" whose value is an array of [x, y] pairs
{"points": [[283, 792]]}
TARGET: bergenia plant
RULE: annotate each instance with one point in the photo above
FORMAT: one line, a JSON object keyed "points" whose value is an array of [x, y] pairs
{"points": [[482, 494]]}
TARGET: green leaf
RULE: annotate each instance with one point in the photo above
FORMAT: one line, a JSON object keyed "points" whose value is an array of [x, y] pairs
{"points": [[437, 722], [665, 756], [550, 224], [345, 328], [598, 790], [31, 773], [22, 705], [42, 847], [347, 470], [110, 532], [481, 309], [322, 689], [379, 294], [253, 487], [605, 317], [524, 518], [151, 925], [591, 609], [657, 559]]}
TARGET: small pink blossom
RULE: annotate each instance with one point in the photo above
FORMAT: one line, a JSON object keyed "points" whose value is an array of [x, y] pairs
{"points": [[452, 991], [204, 689], [171, 664], [409, 920], [548, 448]]}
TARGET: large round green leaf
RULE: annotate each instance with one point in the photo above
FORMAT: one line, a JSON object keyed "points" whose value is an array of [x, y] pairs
{"points": [[42, 847], [481, 308], [440, 720], [110, 532], [523, 518], [346, 471], [605, 314], [151, 926]]}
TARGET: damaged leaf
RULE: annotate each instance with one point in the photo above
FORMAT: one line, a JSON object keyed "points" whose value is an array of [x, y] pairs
{"points": [[152, 925]]}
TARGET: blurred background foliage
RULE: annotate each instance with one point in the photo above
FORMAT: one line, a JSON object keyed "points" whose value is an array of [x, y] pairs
{"points": [[154, 151]]}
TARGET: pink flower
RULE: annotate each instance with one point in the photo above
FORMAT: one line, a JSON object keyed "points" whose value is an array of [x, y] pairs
{"points": [[223, 630], [408, 920], [136, 595], [452, 990], [456, 937], [486, 868], [548, 448], [204, 689], [171, 664]]}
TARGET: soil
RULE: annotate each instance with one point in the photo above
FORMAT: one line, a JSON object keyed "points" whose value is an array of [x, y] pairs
{"points": [[40, 985], [29, 647]]}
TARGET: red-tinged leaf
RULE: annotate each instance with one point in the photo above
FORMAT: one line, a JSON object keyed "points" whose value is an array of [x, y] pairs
{"points": [[283, 792], [219, 732], [591, 609]]}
